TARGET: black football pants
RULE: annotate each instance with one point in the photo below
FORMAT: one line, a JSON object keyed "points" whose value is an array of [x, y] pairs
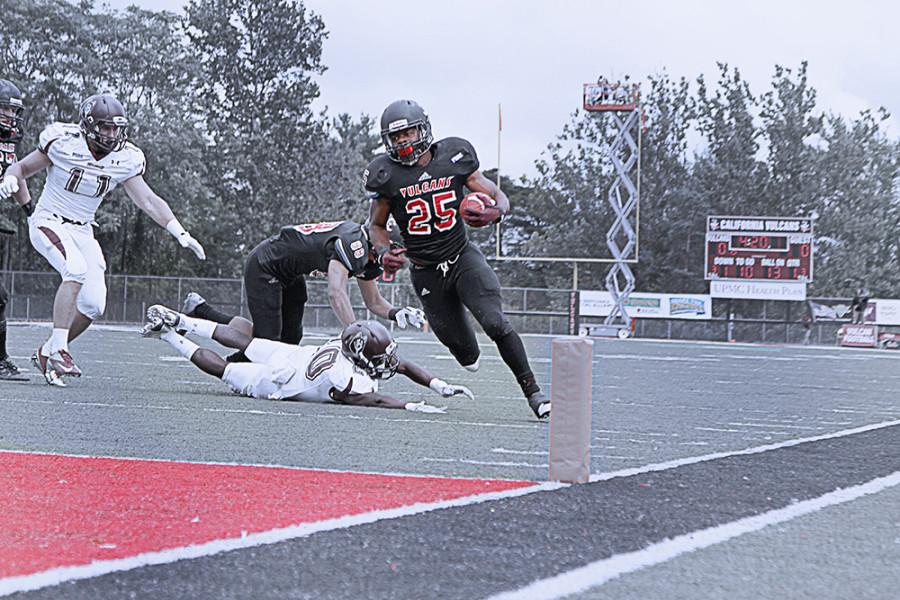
{"points": [[468, 282], [276, 308]]}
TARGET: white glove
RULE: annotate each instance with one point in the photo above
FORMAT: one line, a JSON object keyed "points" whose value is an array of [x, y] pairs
{"points": [[9, 186], [410, 316], [185, 239], [447, 390], [424, 408]]}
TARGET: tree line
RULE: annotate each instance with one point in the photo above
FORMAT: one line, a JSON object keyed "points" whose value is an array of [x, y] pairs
{"points": [[220, 99]]}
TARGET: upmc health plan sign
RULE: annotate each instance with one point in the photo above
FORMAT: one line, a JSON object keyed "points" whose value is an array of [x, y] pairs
{"points": [[648, 305], [758, 290]]}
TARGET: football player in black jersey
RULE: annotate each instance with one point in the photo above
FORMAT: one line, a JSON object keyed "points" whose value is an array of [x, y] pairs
{"points": [[11, 119], [274, 279], [421, 183]]}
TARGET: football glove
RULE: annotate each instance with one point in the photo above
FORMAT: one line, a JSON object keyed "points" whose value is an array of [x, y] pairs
{"points": [[446, 390], [185, 239], [409, 316], [9, 186], [392, 259], [424, 408]]}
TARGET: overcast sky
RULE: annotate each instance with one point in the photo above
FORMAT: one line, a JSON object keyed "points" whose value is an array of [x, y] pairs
{"points": [[460, 59]]}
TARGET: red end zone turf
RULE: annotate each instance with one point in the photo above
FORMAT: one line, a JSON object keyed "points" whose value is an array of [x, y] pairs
{"points": [[63, 511]]}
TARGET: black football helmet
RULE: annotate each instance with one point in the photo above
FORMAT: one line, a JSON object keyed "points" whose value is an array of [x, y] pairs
{"points": [[99, 110], [11, 124], [401, 115], [369, 345]]}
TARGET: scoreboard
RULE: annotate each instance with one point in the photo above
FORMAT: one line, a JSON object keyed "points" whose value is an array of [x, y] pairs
{"points": [[759, 248]]}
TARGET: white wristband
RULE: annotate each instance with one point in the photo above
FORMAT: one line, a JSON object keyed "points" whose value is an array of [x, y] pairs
{"points": [[175, 228], [437, 385]]}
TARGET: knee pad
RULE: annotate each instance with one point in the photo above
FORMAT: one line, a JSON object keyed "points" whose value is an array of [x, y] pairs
{"points": [[92, 301]]}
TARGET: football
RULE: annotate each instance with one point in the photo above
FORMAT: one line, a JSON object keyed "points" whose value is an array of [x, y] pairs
{"points": [[479, 209]]}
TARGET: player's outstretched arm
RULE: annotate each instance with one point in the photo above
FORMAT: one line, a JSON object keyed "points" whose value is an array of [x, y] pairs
{"points": [[376, 303], [337, 292], [345, 396], [158, 210], [422, 377], [13, 182]]}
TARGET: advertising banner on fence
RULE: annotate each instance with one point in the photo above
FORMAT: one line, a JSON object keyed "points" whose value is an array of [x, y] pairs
{"points": [[648, 305], [758, 290], [883, 311], [859, 336]]}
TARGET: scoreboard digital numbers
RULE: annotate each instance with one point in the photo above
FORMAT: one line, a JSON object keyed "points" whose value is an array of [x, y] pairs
{"points": [[759, 248]]}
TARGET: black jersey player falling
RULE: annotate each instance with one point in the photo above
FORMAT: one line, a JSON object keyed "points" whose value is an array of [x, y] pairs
{"points": [[11, 109], [421, 183]]}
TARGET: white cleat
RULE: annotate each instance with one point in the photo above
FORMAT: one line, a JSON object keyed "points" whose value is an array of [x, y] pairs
{"points": [[474, 366], [154, 328], [169, 317], [191, 302], [42, 365]]}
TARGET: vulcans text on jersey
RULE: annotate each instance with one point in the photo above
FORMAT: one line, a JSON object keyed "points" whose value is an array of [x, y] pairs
{"points": [[426, 186]]}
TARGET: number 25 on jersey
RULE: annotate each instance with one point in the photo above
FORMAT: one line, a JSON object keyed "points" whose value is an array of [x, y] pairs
{"points": [[420, 221]]}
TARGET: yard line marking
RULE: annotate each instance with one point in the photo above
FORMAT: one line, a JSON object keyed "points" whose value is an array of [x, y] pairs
{"points": [[259, 412], [599, 572], [485, 463]]}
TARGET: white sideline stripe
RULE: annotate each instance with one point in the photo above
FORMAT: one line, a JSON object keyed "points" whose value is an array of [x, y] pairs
{"points": [[34, 581], [599, 572], [671, 464]]}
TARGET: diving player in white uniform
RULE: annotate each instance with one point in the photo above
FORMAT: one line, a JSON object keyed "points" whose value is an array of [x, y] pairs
{"points": [[84, 162], [346, 371]]}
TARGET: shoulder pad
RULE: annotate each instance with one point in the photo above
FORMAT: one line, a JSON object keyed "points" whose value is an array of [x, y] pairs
{"points": [[135, 158], [460, 153], [53, 132], [378, 173]]}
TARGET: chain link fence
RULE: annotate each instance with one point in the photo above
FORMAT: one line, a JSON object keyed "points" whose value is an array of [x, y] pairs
{"points": [[531, 310]]}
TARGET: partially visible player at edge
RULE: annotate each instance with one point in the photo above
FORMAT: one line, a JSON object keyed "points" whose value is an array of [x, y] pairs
{"points": [[84, 162], [420, 183], [11, 130]]}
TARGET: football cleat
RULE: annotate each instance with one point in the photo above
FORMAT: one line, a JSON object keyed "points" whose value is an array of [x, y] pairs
{"points": [[41, 364], [169, 317], [191, 302], [61, 362], [539, 405], [154, 328], [9, 371]]}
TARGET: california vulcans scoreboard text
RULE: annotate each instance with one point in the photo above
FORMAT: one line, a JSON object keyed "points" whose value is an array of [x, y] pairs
{"points": [[759, 248]]}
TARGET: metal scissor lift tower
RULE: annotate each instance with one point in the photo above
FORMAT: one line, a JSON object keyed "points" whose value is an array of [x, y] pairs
{"points": [[623, 195]]}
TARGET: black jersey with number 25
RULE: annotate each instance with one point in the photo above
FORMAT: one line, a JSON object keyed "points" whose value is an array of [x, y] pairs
{"points": [[425, 200]]}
